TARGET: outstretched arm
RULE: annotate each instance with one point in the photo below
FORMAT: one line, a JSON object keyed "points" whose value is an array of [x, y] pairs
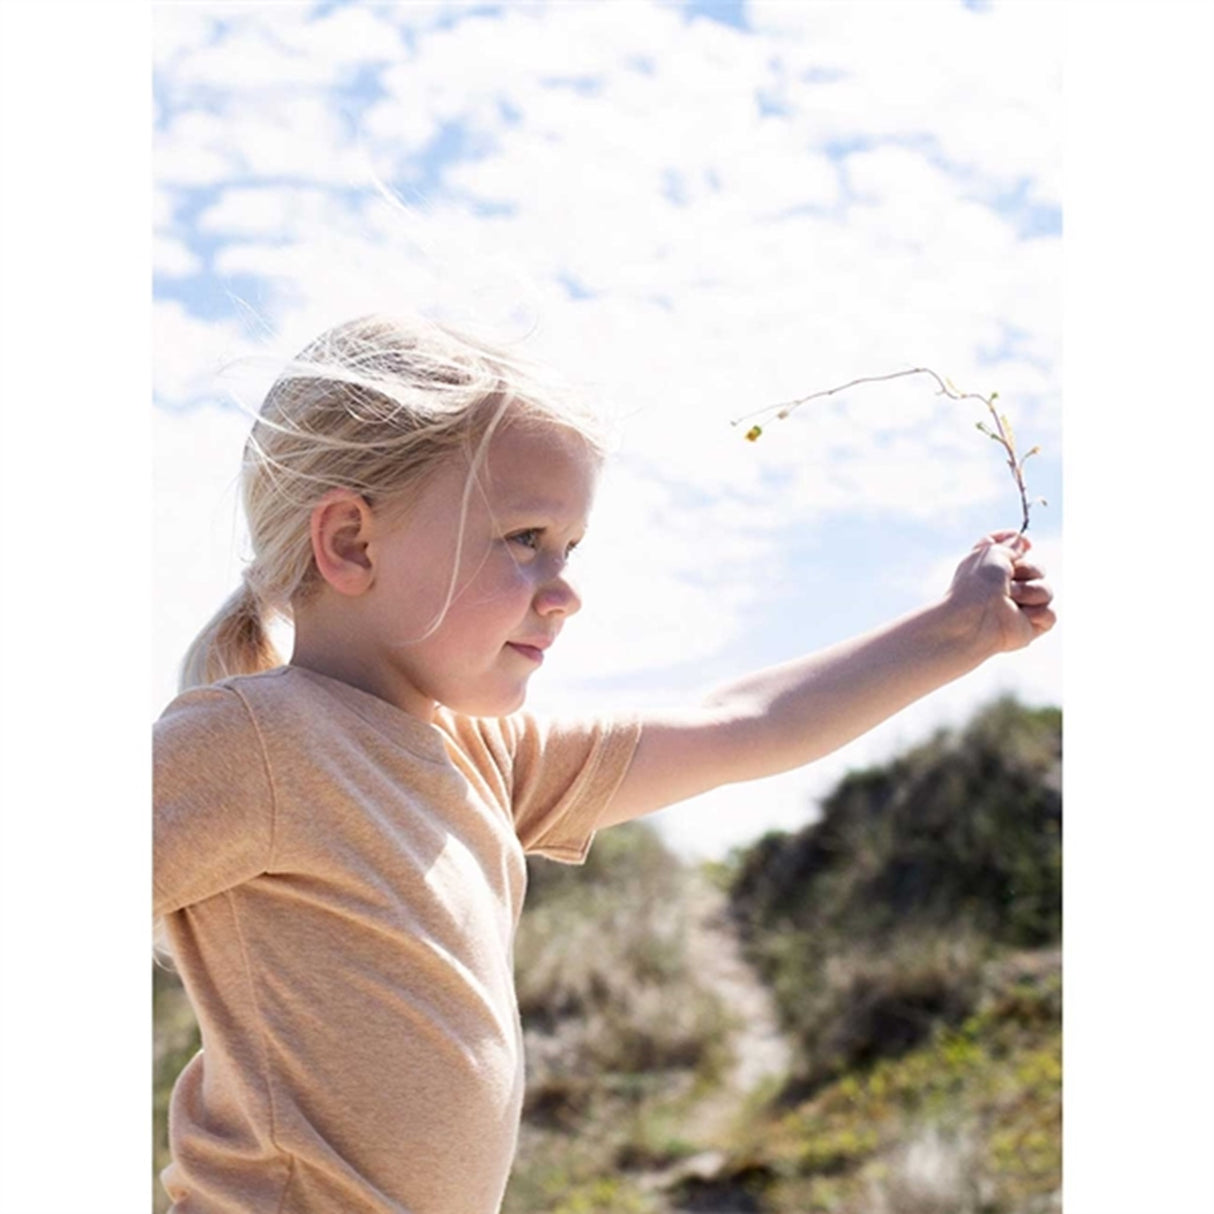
{"points": [[789, 715]]}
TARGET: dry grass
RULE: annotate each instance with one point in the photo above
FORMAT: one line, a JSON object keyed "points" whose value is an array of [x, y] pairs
{"points": [[622, 1033], [932, 1173]]}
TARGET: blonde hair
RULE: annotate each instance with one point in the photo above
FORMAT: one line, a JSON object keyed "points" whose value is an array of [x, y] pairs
{"points": [[374, 405]]}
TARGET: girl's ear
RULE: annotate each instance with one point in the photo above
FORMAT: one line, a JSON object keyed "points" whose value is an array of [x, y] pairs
{"points": [[341, 527]]}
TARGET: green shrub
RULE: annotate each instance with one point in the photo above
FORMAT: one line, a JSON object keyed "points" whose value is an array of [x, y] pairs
{"points": [[871, 923], [965, 827]]}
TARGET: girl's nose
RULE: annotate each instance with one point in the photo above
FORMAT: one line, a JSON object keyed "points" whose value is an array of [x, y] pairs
{"points": [[557, 597]]}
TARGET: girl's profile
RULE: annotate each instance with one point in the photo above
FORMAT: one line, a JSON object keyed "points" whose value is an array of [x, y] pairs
{"points": [[340, 837]]}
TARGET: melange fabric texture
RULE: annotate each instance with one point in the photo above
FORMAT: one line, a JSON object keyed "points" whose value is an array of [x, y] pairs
{"points": [[341, 883]]}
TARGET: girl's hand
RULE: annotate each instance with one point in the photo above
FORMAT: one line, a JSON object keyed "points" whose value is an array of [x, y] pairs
{"points": [[1000, 597]]}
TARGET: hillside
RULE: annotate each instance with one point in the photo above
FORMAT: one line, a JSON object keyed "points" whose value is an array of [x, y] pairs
{"points": [[911, 939]]}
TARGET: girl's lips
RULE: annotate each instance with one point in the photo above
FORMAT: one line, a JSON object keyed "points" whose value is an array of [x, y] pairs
{"points": [[528, 651]]}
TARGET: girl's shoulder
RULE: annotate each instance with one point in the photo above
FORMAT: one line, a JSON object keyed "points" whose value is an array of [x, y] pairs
{"points": [[300, 709], [239, 713], [232, 700]]}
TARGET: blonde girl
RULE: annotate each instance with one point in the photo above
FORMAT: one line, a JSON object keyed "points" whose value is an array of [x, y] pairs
{"points": [[340, 839]]}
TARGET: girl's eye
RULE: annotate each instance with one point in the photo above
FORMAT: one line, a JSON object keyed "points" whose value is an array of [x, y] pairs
{"points": [[533, 538], [528, 539]]}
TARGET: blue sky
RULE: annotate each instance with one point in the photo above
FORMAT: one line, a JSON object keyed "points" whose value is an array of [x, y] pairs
{"points": [[691, 211]]}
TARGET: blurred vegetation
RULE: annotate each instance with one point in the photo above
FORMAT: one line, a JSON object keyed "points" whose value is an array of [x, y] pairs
{"points": [[601, 956], [966, 825], [967, 1122], [909, 938], [176, 1041], [872, 924], [621, 1034]]}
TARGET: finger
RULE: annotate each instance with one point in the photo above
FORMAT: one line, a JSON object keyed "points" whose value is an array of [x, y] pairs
{"points": [[1042, 619], [998, 537], [1031, 594], [1017, 541], [1011, 544], [1023, 571]]}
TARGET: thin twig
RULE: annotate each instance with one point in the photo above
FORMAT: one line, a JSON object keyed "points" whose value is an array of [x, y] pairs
{"points": [[1002, 434]]}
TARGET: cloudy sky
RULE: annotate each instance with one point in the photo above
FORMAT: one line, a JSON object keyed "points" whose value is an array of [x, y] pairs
{"points": [[691, 211]]}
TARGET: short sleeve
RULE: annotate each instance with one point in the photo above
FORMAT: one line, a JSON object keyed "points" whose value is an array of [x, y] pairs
{"points": [[559, 775], [213, 804]]}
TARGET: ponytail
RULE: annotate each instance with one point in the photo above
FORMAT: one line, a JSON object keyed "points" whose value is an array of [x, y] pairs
{"points": [[234, 641]]}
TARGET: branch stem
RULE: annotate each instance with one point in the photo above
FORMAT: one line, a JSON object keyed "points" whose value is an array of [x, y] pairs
{"points": [[1001, 434]]}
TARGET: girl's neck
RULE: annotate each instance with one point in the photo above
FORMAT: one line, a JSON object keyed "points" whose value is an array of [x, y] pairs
{"points": [[333, 651]]}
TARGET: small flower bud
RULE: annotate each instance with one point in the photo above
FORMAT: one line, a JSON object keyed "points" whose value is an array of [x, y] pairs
{"points": [[753, 433]]}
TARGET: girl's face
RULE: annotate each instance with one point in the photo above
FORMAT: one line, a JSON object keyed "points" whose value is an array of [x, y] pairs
{"points": [[509, 596]]}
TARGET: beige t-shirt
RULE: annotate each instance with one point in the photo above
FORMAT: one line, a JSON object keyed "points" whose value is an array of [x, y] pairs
{"points": [[342, 882]]}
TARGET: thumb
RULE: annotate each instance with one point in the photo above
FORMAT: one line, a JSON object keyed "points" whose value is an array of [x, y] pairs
{"points": [[1016, 541]]}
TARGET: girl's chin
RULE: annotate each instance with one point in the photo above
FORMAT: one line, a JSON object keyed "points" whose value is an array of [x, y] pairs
{"points": [[491, 705]]}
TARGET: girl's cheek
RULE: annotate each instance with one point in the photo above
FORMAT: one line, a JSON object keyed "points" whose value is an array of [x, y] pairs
{"points": [[504, 577]]}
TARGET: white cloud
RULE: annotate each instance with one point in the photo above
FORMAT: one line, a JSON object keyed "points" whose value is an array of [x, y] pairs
{"points": [[259, 50], [984, 86], [277, 213], [352, 36], [178, 30], [164, 206], [196, 360], [252, 210], [193, 150], [172, 257], [294, 135]]}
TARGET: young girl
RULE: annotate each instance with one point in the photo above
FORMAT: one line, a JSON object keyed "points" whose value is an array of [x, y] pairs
{"points": [[339, 841]]}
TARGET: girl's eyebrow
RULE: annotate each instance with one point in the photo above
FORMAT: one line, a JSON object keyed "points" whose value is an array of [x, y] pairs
{"points": [[540, 508], [527, 498]]}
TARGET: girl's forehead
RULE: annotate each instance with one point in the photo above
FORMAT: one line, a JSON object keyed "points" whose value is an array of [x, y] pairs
{"points": [[540, 462]]}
